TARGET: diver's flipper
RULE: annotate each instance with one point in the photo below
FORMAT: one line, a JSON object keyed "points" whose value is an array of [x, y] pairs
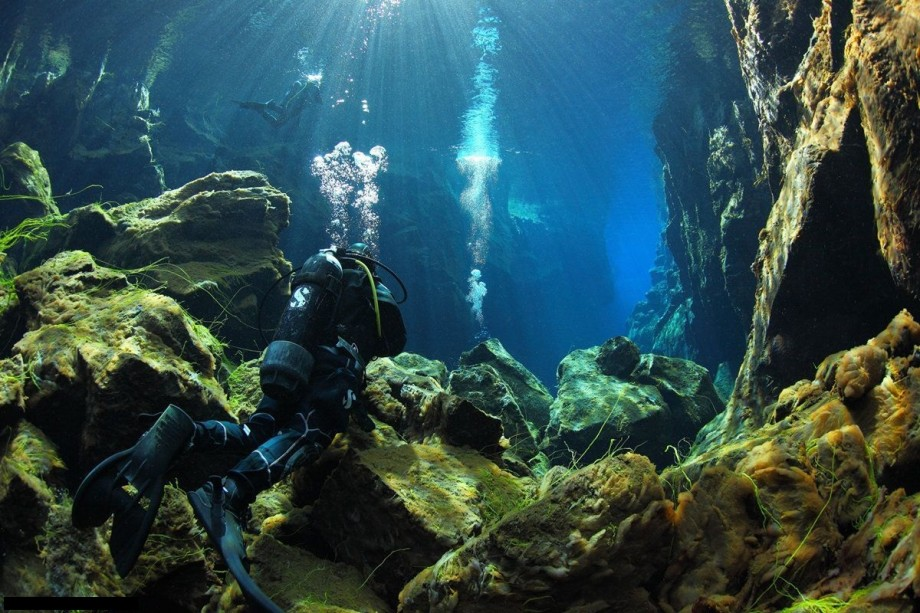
{"points": [[129, 485], [225, 533]]}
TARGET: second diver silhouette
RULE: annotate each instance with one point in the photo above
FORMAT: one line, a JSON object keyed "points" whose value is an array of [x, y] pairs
{"points": [[302, 92]]}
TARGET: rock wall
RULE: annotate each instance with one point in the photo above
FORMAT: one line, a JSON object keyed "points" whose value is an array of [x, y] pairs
{"points": [[706, 132], [834, 85], [799, 231]]}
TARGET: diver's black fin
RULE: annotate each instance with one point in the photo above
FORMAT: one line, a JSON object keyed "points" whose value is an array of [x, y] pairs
{"points": [[103, 491], [226, 534], [254, 596]]}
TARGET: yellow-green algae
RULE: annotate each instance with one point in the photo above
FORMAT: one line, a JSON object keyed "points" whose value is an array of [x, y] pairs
{"points": [[298, 581]]}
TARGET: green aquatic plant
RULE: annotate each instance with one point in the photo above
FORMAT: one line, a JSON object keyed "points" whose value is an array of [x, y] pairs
{"points": [[500, 494], [680, 458], [382, 562], [180, 281], [30, 229], [768, 517], [804, 604]]}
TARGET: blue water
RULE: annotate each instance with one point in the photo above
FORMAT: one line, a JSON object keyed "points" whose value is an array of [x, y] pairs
{"points": [[521, 129]]}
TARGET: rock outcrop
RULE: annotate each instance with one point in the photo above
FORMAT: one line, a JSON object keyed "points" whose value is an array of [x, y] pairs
{"points": [[577, 547], [706, 132], [211, 244], [817, 506], [491, 379], [25, 188], [98, 353], [611, 397], [833, 85]]}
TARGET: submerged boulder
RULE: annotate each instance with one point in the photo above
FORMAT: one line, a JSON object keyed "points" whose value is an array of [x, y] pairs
{"points": [[407, 393], [391, 510], [597, 540], [483, 387], [25, 188], [212, 244], [100, 352], [818, 505], [655, 403], [525, 388]]}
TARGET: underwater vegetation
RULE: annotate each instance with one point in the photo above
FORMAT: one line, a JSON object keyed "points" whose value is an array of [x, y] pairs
{"points": [[788, 136]]}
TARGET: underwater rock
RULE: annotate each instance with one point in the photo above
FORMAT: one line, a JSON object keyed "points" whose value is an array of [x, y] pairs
{"points": [[391, 510], [212, 244], [527, 391], [686, 387], [30, 471], [482, 386], [887, 75], [830, 84], [29, 467], [707, 137], [597, 540], [12, 393], [660, 321], [300, 581], [406, 392], [819, 503], [100, 352], [23, 174], [618, 356], [663, 401]]}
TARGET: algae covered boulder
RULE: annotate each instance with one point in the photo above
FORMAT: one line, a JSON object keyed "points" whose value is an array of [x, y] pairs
{"points": [[301, 581], [211, 244], [25, 189], [407, 393], [484, 387], [525, 389], [395, 509], [658, 403], [819, 504], [100, 352], [597, 540]]}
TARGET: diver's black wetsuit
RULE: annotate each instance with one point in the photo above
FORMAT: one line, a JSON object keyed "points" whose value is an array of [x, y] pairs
{"points": [[285, 432], [338, 318]]}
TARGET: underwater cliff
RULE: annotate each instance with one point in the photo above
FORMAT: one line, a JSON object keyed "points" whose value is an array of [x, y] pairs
{"points": [[750, 445]]}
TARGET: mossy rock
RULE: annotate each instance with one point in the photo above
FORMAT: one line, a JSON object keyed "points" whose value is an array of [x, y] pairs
{"points": [[297, 580], [101, 352], [23, 174], [482, 385], [528, 392], [596, 540], [409, 504], [211, 244]]}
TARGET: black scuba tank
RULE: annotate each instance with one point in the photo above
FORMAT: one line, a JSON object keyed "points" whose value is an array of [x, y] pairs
{"points": [[307, 321]]}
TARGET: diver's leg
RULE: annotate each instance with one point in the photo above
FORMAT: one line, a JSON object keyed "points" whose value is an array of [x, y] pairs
{"points": [[221, 504], [306, 437], [246, 436]]}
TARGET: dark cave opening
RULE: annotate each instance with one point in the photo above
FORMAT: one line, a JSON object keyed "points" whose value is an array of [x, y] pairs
{"points": [[837, 290]]}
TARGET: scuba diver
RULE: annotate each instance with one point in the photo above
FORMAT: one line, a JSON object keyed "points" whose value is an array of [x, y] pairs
{"points": [[298, 95], [339, 316]]}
